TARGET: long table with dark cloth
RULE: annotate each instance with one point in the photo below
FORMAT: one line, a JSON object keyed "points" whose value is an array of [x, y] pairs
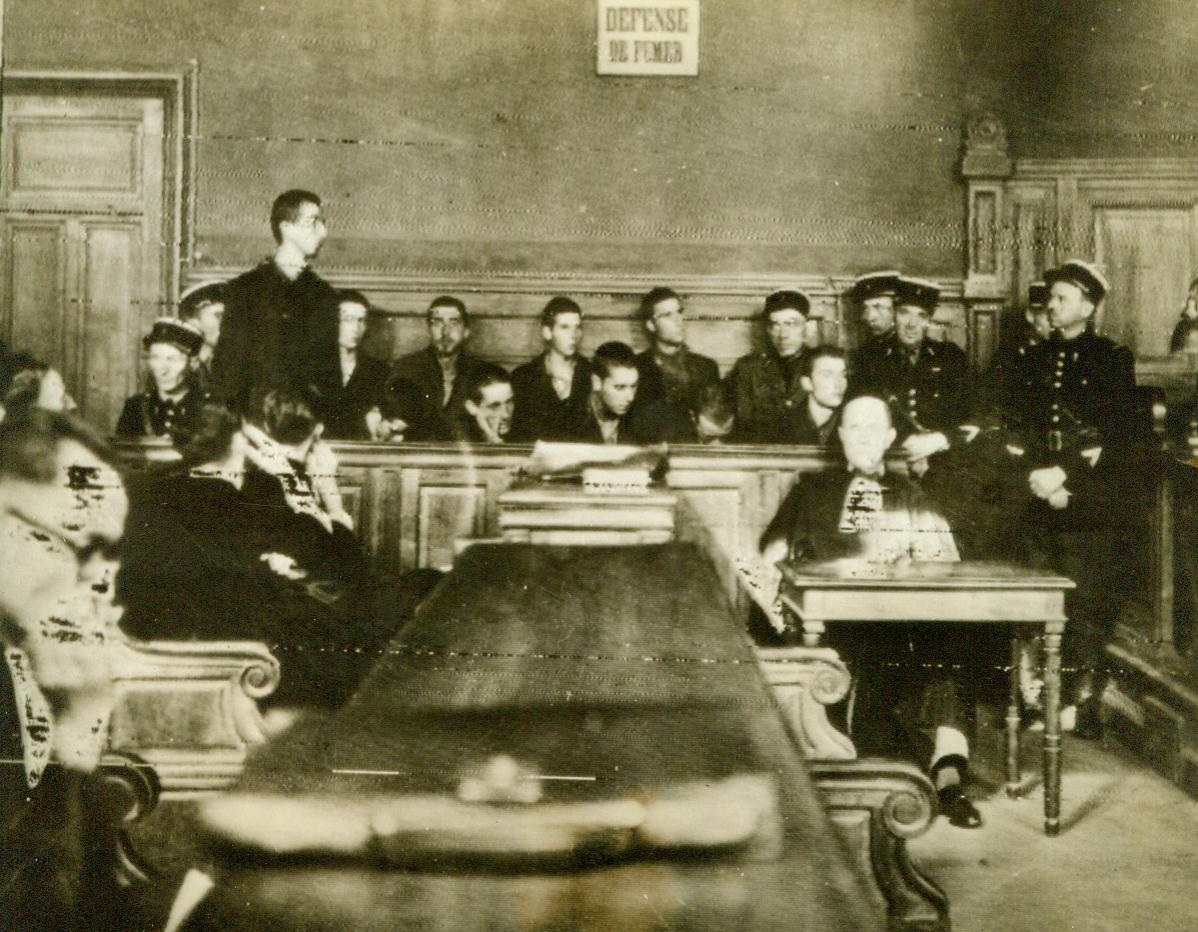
{"points": [[623, 673]]}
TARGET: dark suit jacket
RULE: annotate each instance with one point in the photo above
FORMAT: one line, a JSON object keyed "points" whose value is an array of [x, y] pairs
{"points": [[147, 415], [343, 408], [651, 423], [540, 414], [276, 333], [425, 389], [807, 433]]}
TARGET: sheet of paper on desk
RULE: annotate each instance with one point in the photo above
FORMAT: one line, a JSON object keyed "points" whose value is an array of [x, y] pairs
{"points": [[570, 459]]}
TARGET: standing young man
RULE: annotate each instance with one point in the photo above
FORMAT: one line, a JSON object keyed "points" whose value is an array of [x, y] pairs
{"points": [[280, 324]]}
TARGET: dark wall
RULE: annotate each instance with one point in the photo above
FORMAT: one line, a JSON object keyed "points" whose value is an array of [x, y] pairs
{"points": [[820, 136]]}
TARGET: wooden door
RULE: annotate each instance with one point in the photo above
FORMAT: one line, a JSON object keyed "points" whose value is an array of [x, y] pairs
{"points": [[1148, 254], [84, 258]]}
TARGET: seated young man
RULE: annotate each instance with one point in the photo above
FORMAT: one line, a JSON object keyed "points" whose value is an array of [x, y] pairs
{"points": [[351, 402], [824, 379], [553, 390], [610, 417], [864, 513], [486, 415]]}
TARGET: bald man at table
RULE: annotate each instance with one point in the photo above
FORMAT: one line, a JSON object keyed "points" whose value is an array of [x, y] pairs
{"points": [[862, 512]]}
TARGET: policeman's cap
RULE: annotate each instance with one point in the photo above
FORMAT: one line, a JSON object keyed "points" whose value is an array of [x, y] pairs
{"points": [[918, 292], [174, 333], [786, 301], [874, 285], [1081, 274]]}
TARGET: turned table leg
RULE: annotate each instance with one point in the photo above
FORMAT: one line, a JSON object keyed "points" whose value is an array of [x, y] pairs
{"points": [[1012, 721], [1052, 728]]}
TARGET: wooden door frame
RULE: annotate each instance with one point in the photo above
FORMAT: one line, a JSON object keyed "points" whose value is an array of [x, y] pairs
{"points": [[178, 93]]}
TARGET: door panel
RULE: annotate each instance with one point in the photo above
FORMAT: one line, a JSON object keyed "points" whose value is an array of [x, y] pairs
{"points": [[1147, 256], [35, 278], [107, 365]]}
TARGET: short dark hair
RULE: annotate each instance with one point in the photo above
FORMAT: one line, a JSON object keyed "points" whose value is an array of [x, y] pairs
{"points": [[827, 351], [197, 299], [287, 415], [486, 374], [286, 209], [29, 439], [653, 298], [448, 300], [211, 440], [558, 305], [611, 355], [349, 296]]}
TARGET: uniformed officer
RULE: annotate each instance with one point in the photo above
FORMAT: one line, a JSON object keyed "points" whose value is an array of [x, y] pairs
{"points": [[925, 381], [874, 294], [765, 387], [1072, 424]]}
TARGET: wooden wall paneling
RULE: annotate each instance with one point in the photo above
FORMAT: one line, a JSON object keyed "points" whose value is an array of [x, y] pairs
{"points": [[452, 506], [110, 296], [34, 312], [1145, 251]]}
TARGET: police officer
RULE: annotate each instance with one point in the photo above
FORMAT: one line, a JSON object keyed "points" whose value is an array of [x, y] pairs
{"points": [[925, 381], [1073, 427], [765, 387], [874, 294]]}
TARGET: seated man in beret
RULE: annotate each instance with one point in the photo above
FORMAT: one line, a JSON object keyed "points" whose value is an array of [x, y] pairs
{"points": [[864, 513], [765, 387]]}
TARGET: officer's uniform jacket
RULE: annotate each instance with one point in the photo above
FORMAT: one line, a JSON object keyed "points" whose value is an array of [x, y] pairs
{"points": [[1074, 396], [933, 394]]}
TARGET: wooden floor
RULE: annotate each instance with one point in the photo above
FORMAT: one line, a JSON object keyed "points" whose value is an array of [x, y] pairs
{"points": [[1126, 858]]}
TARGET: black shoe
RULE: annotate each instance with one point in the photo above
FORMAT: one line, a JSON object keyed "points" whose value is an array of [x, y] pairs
{"points": [[1089, 720], [958, 808]]}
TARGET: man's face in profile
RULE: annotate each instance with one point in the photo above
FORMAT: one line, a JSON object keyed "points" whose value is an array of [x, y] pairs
{"points": [[493, 411], [307, 231], [667, 324], [618, 388], [446, 330], [56, 544], [866, 433]]}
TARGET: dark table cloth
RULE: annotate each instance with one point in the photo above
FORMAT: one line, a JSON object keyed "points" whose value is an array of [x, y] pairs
{"points": [[625, 666]]}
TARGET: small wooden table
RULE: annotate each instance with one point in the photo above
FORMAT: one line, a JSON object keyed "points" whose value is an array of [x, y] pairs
{"points": [[971, 593]]}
